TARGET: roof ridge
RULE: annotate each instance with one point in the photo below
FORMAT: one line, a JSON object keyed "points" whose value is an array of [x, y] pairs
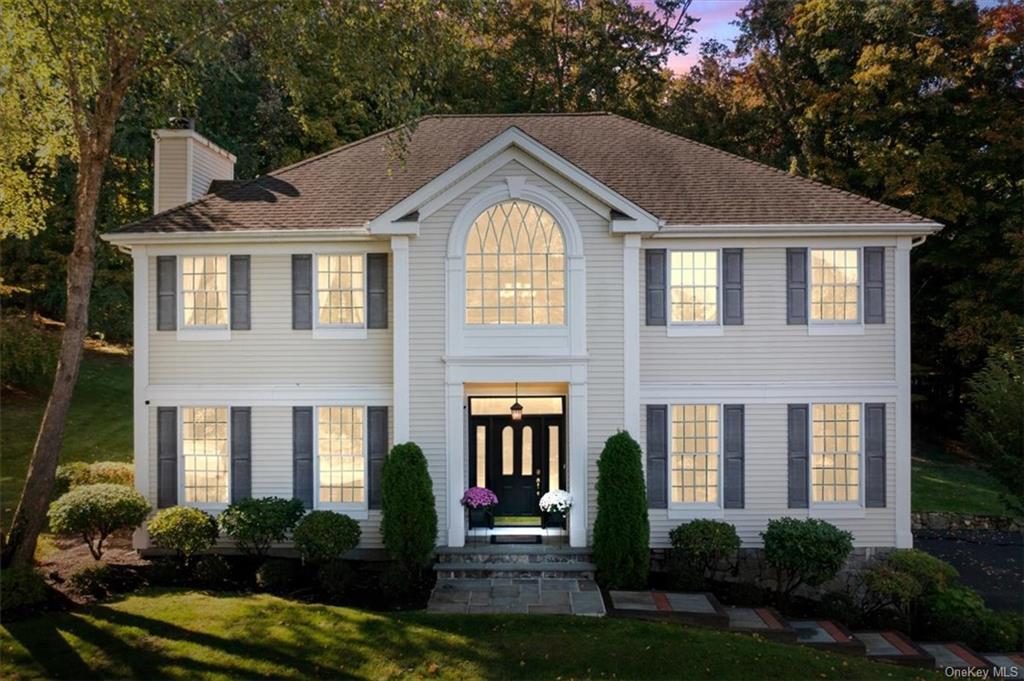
{"points": [[772, 168], [521, 114]]}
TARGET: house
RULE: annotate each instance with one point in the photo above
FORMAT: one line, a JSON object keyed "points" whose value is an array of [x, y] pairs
{"points": [[750, 328]]}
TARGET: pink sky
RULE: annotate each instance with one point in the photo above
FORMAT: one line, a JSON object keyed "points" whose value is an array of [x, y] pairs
{"points": [[715, 17]]}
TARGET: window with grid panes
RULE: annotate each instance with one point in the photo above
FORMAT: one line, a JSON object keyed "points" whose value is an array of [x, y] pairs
{"points": [[835, 284], [694, 453], [835, 455], [340, 455]]}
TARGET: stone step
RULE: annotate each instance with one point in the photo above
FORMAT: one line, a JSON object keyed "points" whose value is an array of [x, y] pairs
{"points": [[1007, 665], [953, 655], [826, 635], [893, 646], [766, 622], [513, 554], [573, 570], [532, 596], [701, 609]]}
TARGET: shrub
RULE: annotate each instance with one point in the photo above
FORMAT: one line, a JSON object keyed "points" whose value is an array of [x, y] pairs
{"points": [[335, 579], [621, 530], [70, 475], [409, 522], [77, 473], [22, 588], [94, 512], [277, 575], [697, 547], [956, 613], [993, 425], [930, 573], [257, 523], [184, 530], [325, 536], [28, 354], [94, 580], [807, 552], [211, 570]]}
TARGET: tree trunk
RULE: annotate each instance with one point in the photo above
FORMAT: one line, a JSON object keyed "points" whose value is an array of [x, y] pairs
{"points": [[30, 517]]}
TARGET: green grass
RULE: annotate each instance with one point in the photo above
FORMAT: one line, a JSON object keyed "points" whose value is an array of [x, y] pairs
{"points": [[943, 482], [184, 634], [99, 424]]}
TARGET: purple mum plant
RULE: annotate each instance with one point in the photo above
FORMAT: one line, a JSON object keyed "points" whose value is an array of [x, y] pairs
{"points": [[479, 497]]}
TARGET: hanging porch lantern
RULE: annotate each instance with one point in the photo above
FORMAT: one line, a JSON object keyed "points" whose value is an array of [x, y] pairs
{"points": [[516, 409]]}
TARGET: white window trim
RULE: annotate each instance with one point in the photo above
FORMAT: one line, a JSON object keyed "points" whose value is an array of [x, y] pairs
{"points": [[208, 507], [675, 329], [356, 511], [835, 509], [199, 333], [339, 331], [836, 327], [683, 510]]}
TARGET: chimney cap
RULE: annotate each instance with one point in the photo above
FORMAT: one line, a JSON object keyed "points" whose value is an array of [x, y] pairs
{"points": [[181, 123]]}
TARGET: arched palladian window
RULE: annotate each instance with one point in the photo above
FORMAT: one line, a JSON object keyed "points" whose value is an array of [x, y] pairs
{"points": [[515, 267]]}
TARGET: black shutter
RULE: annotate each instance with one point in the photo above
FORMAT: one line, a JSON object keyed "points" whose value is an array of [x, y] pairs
{"points": [[798, 463], [796, 285], [240, 287], [377, 291], [874, 285], [732, 286], [241, 453], [166, 293], [874, 455], [166, 456], [377, 450], [657, 456], [733, 446], [655, 278], [302, 291], [302, 455]]}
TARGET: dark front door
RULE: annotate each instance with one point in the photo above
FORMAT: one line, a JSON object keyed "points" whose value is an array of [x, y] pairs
{"points": [[522, 459]]}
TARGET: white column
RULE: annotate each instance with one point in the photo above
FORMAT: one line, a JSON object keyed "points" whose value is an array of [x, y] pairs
{"points": [[901, 495], [140, 380], [400, 335], [631, 333], [577, 442], [454, 400]]}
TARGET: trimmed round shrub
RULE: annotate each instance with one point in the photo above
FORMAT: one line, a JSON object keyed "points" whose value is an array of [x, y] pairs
{"points": [[807, 551], [335, 579], [22, 588], [255, 524], [77, 473], [184, 530], [70, 475], [697, 547], [277, 575], [94, 512], [211, 570], [621, 531], [325, 536], [409, 518], [930, 573]]}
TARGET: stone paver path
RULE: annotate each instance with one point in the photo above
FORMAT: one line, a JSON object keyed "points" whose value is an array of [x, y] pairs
{"points": [[533, 596], [693, 608]]}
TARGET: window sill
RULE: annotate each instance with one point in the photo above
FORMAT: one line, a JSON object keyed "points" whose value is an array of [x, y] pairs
{"points": [[212, 509], [695, 330], [207, 334], [695, 512], [835, 329], [340, 332], [355, 513], [837, 512]]}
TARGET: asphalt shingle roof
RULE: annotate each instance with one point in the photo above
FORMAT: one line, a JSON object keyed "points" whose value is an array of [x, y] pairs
{"points": [[676, 179]]}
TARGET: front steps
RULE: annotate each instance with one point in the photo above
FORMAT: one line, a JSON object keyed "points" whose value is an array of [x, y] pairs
{"points": [[510, 561]]}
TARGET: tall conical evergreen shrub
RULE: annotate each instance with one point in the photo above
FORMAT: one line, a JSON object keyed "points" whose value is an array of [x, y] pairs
{"points": [[409, 522], [621, 532]]}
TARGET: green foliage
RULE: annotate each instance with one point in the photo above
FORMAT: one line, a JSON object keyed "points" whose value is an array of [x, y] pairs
{"points": [[335, 579], [94, 512], [621, 530], [211, 570], [325, 536], [697, 547], [184, 530], [994, 425], [807, 551], [76, 473], [28, 353], [931, 573], [409, 520], [70, 475], [959, 614], [22, 588], [277, 575], [93, 580], [255, 524]]}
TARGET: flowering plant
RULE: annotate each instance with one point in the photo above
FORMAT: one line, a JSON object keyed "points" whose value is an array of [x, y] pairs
{"points": [[556, 501], [479, 497]]}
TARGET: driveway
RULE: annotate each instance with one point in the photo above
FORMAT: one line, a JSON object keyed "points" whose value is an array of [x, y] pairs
{"points": [[990, 562]]}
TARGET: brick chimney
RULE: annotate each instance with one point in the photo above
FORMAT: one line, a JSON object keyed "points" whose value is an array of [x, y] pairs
{"points": [[185, 163]]}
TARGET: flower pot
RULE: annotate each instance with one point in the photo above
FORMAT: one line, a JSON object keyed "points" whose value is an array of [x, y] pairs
{"points": [[480, 517], [553, 519]]}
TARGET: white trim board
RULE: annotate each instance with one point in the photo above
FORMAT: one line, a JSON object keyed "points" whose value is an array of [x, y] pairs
{"points": [[771, 393], [268, 394]]}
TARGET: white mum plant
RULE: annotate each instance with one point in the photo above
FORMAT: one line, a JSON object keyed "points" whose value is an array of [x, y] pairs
{"points": [[556, 501]]}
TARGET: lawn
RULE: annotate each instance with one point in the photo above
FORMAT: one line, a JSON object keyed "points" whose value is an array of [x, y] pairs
{"points": [[99, 424], [185, 634], [943, 482]]}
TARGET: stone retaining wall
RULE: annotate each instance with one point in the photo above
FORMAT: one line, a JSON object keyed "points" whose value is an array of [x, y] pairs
{"points": [[942, 520]]}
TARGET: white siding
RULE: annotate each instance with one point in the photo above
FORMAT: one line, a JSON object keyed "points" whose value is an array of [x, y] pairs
{"points": [[271, 352], [208, 165], [765, 348], [172, 173]]}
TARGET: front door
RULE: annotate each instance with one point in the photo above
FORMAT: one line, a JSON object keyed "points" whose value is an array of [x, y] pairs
{"points": [[518, 460]]}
